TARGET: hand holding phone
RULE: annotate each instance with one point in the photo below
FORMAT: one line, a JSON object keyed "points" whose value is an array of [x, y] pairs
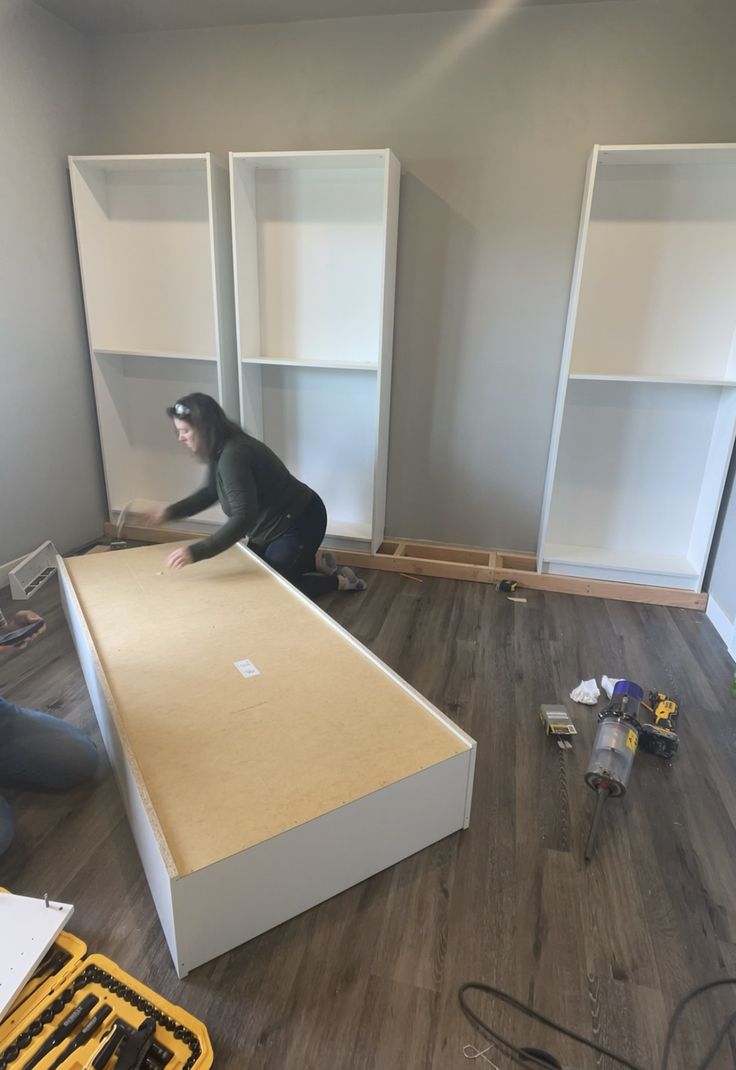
{"points": [[24, 630]]}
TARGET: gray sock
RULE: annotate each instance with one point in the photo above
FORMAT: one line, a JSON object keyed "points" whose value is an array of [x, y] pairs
{"points": [[327, 563], [348, 581]]}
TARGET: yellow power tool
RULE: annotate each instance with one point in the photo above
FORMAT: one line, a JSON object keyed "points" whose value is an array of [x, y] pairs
{"points": [[661, 738]]}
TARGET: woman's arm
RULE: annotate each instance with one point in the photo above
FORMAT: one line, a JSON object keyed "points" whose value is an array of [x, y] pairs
{"points": [[195, 503]]}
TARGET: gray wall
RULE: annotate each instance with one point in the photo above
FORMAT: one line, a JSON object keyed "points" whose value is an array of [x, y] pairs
{"points": [[52, 486], [493, 117]]}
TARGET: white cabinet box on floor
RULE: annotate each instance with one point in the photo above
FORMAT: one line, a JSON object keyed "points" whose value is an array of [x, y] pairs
{"points": [[267, 760], [646, 407]]}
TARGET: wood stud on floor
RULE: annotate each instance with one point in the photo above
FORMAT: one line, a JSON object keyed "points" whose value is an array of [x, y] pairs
{"points": [[492, 566]]}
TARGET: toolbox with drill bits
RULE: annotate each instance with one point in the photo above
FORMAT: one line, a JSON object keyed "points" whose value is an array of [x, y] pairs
{"points": [[82, 1012]]}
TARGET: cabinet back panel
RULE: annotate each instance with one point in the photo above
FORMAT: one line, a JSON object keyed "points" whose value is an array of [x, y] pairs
{"points": [[631, 464], [322, 423], [658, 295]]}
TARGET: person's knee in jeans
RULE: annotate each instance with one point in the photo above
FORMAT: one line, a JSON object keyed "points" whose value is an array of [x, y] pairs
{"points": [[42, 753], [284, 556], [75, 760], [78, 766], [7, 826]]}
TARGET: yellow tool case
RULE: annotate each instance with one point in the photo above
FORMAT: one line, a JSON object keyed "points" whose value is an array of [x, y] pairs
{"points": [[82, 1012]]}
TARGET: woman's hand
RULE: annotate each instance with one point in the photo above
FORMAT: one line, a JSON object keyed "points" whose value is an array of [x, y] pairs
{"points": [[180, 558], [23, 617], [153, 517]]}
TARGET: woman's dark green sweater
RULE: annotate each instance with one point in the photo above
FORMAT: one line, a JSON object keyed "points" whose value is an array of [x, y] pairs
{"points": [[257, 493]]}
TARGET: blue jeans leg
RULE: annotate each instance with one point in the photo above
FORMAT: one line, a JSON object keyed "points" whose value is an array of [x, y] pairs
{"points": [[293, 554], [39, 752], [7, 826]]}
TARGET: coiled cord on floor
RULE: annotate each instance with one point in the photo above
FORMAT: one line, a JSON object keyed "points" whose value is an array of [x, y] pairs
{"points": [[534, 1057]]}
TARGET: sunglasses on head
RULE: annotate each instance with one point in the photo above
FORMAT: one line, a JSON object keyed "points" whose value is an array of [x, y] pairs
{"points": [[182, 411]]}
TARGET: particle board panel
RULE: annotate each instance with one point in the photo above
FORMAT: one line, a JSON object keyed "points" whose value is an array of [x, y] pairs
{"points": [[325, 760]]}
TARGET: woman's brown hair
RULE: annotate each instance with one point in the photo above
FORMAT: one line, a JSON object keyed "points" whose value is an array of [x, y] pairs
{"points": [[209, 420]]}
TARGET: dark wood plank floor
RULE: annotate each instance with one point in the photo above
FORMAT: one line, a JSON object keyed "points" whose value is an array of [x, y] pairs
{"points": [[369, 979]]}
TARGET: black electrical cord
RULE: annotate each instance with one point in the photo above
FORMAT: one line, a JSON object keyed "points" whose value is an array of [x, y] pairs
{"points": [[678, 1013], [520, 1055], [711, 1053], [526, 1057]]}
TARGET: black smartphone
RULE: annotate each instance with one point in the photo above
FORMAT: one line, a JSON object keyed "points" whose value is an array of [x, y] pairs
{"points": [[19, 634]]}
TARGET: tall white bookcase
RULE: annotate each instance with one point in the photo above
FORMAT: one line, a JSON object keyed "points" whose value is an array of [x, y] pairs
{"points": [[314, 246], [646, 407], [153, 234]]}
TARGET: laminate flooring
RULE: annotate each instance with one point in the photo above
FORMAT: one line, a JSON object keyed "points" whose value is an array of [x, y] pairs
{"points": [[369, 979]]}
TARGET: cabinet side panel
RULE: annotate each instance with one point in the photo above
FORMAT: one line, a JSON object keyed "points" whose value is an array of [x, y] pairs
{"points": [[223, 291], [577, 276], [392, 182], [234, 900], [148, 840], [714, 481]]}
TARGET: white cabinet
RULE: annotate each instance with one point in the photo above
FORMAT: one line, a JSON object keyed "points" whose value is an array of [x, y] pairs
{"points": [[154, 247], [314, 245], [646, 408]]}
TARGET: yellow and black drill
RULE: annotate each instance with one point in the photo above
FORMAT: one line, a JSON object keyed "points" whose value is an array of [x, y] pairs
{"points": [[660, 738]]}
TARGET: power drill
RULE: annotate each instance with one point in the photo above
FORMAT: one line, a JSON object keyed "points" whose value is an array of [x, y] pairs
{"points": [[660, 738]]}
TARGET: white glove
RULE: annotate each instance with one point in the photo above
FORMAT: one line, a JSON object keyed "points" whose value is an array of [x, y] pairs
{"points": [[608, 683], [586, 692]]}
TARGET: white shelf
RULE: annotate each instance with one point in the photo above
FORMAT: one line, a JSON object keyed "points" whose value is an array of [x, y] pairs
{"points": [[283, 362], [652, 379], [348, 530], [156, 355], [205, 522], [620, 560]]}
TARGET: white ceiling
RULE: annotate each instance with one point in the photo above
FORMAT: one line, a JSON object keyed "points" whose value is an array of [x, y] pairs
{"points": [[132, 16]]}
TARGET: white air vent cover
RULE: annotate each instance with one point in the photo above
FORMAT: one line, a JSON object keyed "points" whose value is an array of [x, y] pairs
{"points": [[33, 571]]}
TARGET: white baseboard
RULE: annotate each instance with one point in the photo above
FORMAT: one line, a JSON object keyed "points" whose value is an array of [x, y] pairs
{"points": [[5, 572], [725, 627]]}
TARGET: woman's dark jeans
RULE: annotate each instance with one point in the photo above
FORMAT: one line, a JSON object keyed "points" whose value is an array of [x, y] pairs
{"points": [[293, 554]]}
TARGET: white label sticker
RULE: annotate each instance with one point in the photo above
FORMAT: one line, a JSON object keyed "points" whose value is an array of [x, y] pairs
{"points": [[247, 668]]}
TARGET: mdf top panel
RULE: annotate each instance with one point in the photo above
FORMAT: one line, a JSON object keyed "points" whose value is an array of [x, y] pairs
{"points": [[227, 760]]}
